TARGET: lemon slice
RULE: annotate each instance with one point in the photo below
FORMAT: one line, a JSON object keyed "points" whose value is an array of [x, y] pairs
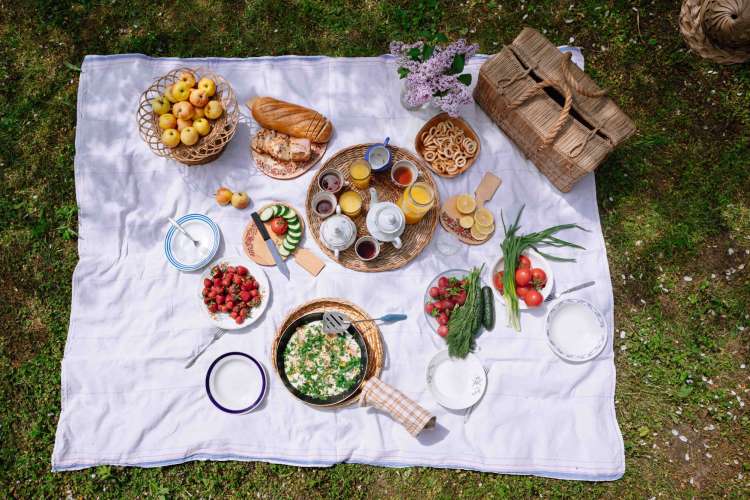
{"points": [[478, 228], [466, 204], [477, 235], [466, 221], [484, 217]]}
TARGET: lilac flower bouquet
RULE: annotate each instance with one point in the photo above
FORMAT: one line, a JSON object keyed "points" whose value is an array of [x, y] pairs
{"points": [[433, 73]]}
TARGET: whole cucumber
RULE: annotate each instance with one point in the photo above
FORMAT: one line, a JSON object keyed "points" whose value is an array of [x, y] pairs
{"points": [[488, 302]]}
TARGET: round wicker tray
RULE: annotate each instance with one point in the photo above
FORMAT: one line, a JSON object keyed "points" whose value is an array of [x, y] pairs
{"points": [[369, 331], [207, 148], [415, 237]]}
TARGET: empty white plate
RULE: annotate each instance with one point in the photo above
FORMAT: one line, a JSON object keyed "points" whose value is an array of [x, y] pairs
{"points": [[576, 330], [456, 383], [236, 382]]}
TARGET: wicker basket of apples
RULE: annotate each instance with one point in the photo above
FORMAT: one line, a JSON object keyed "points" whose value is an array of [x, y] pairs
{"points": [[188, 115]]}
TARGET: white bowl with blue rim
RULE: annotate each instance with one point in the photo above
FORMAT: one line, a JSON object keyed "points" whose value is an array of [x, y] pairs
{"points": [[576, 331], [379, 156], [236, 383], [182, 253]]}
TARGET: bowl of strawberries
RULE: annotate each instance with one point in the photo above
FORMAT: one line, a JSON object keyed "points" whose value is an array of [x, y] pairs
{"points": [[234, 293]]}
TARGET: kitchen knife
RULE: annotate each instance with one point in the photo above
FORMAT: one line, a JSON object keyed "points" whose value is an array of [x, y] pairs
{"points": [[271, 245]]}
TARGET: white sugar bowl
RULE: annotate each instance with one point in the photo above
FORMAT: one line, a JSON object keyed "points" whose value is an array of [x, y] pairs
{"points": [[338, 232]]}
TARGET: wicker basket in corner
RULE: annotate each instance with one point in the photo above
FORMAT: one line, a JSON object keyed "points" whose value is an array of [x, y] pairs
{"points": [[718, 30], [562, 121], [207, 148]]}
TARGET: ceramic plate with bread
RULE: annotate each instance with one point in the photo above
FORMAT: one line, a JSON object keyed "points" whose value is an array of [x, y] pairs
{"points": [[292, 138]]}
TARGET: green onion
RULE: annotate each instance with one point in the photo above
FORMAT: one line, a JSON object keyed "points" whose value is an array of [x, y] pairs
{"points": [[513, 246]]}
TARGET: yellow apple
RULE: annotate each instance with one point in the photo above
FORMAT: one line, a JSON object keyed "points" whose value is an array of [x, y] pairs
{"points": [[208, 86], [240, 200], [189, 136], [198, 98], [183, 124], [167, 120], [188, 78], [160, 105], [213, 110], [170, 137], [199, 113], [183, 110], [201, 125], [223, 196], [180, 91], [168, 94]]}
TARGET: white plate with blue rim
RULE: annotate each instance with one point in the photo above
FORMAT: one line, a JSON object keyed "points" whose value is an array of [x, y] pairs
{"points": [[182, 253], [576, 330], [236, 383]]}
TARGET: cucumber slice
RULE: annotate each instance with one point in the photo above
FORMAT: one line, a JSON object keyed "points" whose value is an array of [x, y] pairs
{"points": [[267, 214], [276, 210], [289, 246], [283, 251], [291, 216], [295, 233], [295, 225], [294, 240], [283, 211]]}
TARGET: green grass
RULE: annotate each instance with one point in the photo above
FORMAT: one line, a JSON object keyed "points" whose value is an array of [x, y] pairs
{"points": [[674, 204]]}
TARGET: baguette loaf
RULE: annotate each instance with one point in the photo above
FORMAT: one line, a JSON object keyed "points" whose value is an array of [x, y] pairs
{"points": [[290, 119]]}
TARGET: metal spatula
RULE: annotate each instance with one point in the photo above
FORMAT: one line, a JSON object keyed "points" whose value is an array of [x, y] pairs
{"points": [[336, 322]]}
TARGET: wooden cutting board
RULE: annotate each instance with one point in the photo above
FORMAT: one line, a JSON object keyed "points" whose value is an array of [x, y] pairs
{"points": [[449, 214]]}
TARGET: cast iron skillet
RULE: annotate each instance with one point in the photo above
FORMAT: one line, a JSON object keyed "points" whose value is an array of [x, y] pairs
{"points": [[332, 400]]}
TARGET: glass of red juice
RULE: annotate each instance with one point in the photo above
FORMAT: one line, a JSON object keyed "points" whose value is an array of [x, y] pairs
{"points": [[367, 248]]}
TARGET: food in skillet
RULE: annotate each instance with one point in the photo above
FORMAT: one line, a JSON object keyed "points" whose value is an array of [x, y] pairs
{"points": [[320, 365]]}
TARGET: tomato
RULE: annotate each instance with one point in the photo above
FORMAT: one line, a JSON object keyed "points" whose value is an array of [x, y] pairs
{"points": [[497, 280], [428, 308], [279, 225], [443, 319], [524, 262], [521, 291], [523, 277], [443, 282], [533, 298], [434, 292], [241, 270], [538, 277], [442, 330]]}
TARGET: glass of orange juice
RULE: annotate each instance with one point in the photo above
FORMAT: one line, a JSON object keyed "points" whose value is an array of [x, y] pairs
{"points": [[360, 171], [416, 200]]}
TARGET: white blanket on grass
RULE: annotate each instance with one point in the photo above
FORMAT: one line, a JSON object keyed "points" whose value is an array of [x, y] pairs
{"points": [[126, 398]]}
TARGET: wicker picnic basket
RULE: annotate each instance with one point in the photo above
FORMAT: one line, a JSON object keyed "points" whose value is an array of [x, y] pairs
{"points": [[556, 114], [207, 148], [717, 29]]}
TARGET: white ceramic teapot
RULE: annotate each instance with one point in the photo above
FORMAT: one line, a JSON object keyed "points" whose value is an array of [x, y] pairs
{"points": [[338, 232], [385, 221]]}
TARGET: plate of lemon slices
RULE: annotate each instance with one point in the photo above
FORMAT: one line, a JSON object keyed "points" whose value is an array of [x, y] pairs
{"points": [[467, 217]]}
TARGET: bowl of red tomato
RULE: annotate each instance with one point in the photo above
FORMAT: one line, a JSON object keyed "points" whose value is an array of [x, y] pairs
{"points": [[533, 278]]}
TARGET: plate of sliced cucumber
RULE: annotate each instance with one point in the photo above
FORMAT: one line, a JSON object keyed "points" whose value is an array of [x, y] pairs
{"points": [[285, 227]]}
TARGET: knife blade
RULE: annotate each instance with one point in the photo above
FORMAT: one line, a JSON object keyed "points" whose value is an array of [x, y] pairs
{"points": [[271, 245]]}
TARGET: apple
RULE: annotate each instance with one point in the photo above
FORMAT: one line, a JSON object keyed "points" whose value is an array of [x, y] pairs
{"points": [[160, 105], [168, 94], [183, 124], [188, 78], [208, 86], [180, 91], [240, 200], [189, 136], [170, 137], [183, 110], [223, 196], [201, 125], [213, 110], [198, 113], [198, 98], [167, 120]]}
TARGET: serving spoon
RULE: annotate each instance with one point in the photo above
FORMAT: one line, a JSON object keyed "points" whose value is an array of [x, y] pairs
{"points": [[336, 322]]}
